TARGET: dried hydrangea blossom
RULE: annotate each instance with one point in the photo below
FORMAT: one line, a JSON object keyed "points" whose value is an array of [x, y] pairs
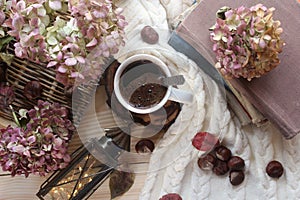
{"points": [[43, 37], [28, 21], [66, 46], [102, 27], [41, 146], [246, 41]]}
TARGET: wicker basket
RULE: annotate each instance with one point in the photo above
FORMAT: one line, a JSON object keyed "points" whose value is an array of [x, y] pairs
{"points": [[20, 72]]}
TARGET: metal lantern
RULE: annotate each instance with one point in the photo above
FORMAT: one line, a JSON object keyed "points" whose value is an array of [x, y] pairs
{"points": [[85, 173]]}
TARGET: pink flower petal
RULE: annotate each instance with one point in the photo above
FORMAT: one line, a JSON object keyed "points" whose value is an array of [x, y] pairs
{"points": [[19, 52], [2, 17], [71, 61], [31, 139], [77, 75], [90, 32], [17, 22], [62, 69], [55, 4], [99, 14], [59, 56], [262, 43], [18, 149], [27, 153], [58, 142], [51, 64], [236, 66], [92, 43], [80, 59], [21, 5]]}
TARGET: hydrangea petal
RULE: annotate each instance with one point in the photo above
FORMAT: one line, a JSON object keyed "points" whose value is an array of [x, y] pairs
{"points": [[55, 4], [71, 61]]}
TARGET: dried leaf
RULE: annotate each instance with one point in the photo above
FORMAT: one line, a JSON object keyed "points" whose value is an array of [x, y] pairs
{"points": [[120, 182], [7, 58], [4, 41]]}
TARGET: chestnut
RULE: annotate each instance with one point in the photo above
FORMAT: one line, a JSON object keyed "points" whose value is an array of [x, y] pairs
{"points": [[149, 35], [171, 196], [236, 177], [223, 153], [236, 163], [220, 168], [207, 162], [274, 169], [144, 146], [33, 90]]}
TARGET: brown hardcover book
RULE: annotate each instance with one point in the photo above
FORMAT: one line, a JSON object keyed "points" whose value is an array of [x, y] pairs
{"points": [[277, 94]]}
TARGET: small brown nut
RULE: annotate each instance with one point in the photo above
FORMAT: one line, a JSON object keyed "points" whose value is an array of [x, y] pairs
{"points": [[33, 90], [274, 169], [149, 35], [223, 153], [236, 163], [144, 146], [236, 177], [171, 196], [207, 162], [220, 168]]}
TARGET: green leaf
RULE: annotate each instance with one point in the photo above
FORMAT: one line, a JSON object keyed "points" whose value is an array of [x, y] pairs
{"points": [[4, 41], [120, 182], [7, 58], [15, 116]]}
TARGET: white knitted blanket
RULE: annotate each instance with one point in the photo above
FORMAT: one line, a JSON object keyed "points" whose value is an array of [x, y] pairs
{"points": [[173, 166]]}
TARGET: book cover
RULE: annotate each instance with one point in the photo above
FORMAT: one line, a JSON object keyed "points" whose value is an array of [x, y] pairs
{"points": [[277, 94]]}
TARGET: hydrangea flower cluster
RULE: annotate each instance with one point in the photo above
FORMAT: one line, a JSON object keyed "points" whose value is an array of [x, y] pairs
{"points": [[246, 41], [102, 26], [28, 22], [44, 35], [101, 23], [41, 146]]}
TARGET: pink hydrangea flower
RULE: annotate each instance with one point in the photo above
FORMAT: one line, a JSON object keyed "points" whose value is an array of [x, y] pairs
{"points": [[41, 146], [246, 41], [44, 35]]}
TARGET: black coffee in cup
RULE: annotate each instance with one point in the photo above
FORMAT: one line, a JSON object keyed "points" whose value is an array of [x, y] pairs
{"points": [[140, 84]]}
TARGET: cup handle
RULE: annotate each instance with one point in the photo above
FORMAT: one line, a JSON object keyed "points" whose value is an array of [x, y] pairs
{"points": [[181, 96]]}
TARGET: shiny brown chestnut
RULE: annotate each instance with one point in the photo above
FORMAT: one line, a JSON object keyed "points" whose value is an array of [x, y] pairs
{"points": [[236, 177], [149, 35], [144, 146], [223, 153], [236, 163], [220, 168], [207, 162], [33, 90], [274, 169]]}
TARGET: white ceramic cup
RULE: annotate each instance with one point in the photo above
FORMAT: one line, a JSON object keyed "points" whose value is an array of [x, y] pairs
{"points": [[172, 93]]}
